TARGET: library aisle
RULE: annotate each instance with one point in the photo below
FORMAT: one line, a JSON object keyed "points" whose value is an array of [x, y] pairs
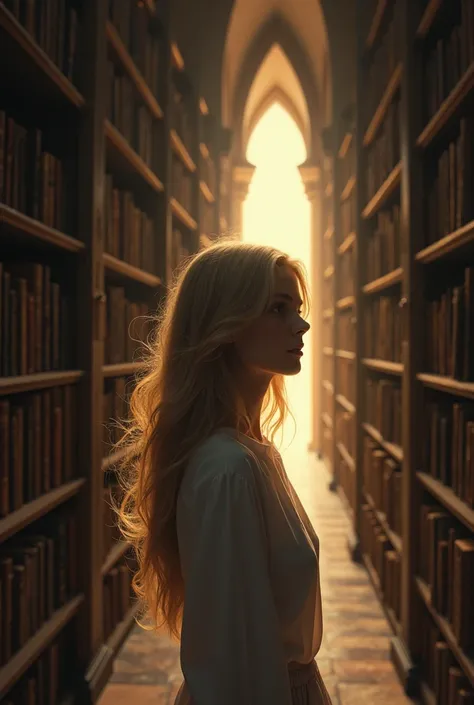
{"points": [[354, 657]]}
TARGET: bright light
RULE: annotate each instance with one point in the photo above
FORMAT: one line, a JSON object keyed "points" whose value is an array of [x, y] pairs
{"points": [[277, 212]]}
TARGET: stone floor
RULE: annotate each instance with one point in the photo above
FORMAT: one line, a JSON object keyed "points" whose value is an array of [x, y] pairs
{"points": [[354, 657]]}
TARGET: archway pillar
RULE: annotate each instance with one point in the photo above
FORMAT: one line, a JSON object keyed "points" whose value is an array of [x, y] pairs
{"points": [[242, 175], [311, 177]]}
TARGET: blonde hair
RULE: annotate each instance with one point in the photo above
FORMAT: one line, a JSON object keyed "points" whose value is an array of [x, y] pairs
{"points": [[186, 392]]}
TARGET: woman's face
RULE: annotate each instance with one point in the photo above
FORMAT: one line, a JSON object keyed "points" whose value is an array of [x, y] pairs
{"points": [[274, 342]]}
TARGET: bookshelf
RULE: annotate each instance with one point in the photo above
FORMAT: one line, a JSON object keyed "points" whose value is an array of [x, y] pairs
{"points": [[328, 303], [106, 151]]}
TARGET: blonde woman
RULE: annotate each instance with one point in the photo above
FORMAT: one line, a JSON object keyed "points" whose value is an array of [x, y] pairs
{"points": [[227, 557]]}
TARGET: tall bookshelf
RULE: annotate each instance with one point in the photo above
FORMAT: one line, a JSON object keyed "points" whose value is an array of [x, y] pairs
{"points": [[101, 175], [328, 293], [413, 469]]}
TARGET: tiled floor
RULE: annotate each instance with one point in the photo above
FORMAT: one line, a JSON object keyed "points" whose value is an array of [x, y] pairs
{"points": [[354, 657]]}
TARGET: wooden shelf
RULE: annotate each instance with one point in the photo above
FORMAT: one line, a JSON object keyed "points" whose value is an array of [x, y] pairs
{"points": [[448, 499], [22, 660], [41, 380], [452, 243], [22, 227], [328, 233], [134, 74], [182, 214], [346, 354], [128, 271], [347, 244], [346, 456], [374, 579], [180, 150], [206, 192], [345, 403], [177, 57], [448, 108], [124, 157], [382, 108], [345, 303], [376, 23], [37, 508], [32, 66], [466, 662], [393, 537], [345, 144], [393, 450], [328, 351], [385, 191], [428, 17], [448, 385], [327, 420], [389, 368], [385, 282], [329, 272], [121, 369], [115, 554], [328, 386], [348, 188]]}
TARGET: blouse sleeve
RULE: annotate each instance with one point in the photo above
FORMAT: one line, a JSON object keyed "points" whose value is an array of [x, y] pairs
{"points": [[231, 642]]}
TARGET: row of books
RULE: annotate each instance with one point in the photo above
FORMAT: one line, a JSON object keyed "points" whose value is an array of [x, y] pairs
{"points": [[35, 322], [132, 23], [38, 433], [384, 408], [129, 231], [448, 60], [127, 326], [385, 561], [346, 378], [117, 596], [383, 483], [449, 204], [38, 575], [346, 274], [133, 119], [183, 183], [449, 447], [182, 119], [384, 245], [346, 430], [384, 152], [383, 328], [32, 180], [446, 564], [450, 330], [115, 409], [346, 331], [54, 26]]}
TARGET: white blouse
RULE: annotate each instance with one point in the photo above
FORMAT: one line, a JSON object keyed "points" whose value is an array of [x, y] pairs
{"points": [[249, 557]]}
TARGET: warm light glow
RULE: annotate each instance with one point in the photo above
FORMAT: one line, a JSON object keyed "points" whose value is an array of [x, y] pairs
{"points": [[277, 212]]}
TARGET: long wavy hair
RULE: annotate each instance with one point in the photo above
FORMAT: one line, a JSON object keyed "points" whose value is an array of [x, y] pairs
{"points": [[186, 391]]}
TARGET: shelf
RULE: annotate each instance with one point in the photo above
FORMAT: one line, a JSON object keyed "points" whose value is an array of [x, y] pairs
{"points": [[466, 662], [22, 660], [385, 282], [393, 450], [447, 109], [447, 245], [347, 244], [374, 579], [177, 57], [206, 192], [346, 354], [328, 351], [22, 227], [37, 508], [180, 150], [348, 188], [345, 403], [428, 18], [327, 420], [389, 368], [345, 455], [448, 385], [124, 157], [41, 380], [328, 386], [345, 144], [32, 66], [114, 556], [121, 369], [113, 458], [376, 23], [382, 108], [113, 264], [134, 74], [448, 499], [384, 192], [329, 272], [345, 303], [328, 233], [393, 537], [182, 214]]}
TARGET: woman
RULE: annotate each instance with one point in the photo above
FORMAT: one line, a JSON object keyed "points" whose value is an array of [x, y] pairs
{"points": [[227, 557]]}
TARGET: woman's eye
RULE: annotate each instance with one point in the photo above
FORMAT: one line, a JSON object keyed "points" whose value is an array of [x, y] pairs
{"points": [[278, 308]]}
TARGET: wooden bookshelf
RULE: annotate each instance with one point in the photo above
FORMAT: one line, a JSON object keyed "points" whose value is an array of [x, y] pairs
{"points": [[124, 158], [34, 382], [452, 244], [389, 368], [346, 244], [23, 229], [182, 214], [376, 23], [385, 282], [383, 194], [428, 17], [385, 102], [129, 272]]}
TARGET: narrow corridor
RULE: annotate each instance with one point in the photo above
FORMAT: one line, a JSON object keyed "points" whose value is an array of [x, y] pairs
{"points": [[354, 658]]}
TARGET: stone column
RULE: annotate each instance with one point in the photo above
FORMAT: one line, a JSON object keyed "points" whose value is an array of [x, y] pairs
{"points": [[242, 175], [311, 176]]}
